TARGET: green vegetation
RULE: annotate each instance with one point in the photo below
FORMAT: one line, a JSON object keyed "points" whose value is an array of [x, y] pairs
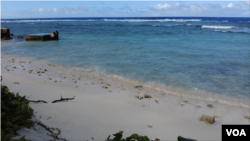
{"points": [[15, 112], [118, 137]]}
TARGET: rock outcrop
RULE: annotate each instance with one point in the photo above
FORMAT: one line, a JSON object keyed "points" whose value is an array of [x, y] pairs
{"points": [[19, 37], [5, 34], [54, 35]]}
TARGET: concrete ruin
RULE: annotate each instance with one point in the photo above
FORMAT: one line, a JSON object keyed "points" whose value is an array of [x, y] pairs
{"points": [[42, 36]]}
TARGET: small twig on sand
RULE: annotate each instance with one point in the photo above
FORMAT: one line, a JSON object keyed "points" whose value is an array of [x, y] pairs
{"points": [[62, 99], [51, 130], [38, 101], [1, 79]]}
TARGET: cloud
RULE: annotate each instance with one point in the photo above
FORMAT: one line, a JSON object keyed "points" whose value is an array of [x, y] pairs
{"points": [[63, 10], [159, 9], [161, 6], [230, 5], [205, 9], [246, 2], [177, 9], [42, 10], [55, 10]]}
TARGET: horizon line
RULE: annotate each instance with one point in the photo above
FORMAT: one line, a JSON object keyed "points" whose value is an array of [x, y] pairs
{"points": [[128, 17]]}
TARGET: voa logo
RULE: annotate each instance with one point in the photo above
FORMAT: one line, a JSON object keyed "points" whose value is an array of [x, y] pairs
{"points": [[236, 132]]}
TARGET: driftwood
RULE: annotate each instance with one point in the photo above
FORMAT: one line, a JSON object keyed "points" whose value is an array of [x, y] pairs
{"points": [[51, 130], [62, 99], [1, 80], [38, 101]]}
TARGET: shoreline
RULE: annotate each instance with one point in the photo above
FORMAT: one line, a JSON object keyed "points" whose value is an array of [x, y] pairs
{"points": [[99, 112], [98, 77]]}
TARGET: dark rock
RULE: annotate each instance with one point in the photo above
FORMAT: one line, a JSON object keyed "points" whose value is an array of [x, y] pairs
{"points": [[6, 38], [147, 96], [139, 97], [54, 35], [210, 106], [138, 86], [11, 34], [247, 117], [5, 34], [207, 119], [19, 37]]}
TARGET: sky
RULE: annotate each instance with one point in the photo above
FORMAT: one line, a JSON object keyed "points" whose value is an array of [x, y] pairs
{"points": [[54, 9]]}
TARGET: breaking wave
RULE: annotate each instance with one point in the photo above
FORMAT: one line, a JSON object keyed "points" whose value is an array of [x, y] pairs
{"points": [[154, 20], [218, 27], [20, 21]]}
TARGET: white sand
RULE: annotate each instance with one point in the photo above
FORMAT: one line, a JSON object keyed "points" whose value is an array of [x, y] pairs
{"points": [[97, 112]]}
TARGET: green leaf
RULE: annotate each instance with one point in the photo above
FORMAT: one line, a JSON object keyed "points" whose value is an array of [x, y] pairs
{"points": [[118, 136], [109, 139], [2, 114], [145, 138], [52, 135], [184, 139], [15, 126]]}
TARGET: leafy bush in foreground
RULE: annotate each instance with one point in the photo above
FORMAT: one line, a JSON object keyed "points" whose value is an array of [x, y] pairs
{"points": [[118, 137], [15, 112], [136, 137]]}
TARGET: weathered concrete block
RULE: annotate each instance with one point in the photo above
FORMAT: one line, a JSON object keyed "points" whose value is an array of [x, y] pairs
{"points": [[42, 36], [5, 33], [37, 37]]}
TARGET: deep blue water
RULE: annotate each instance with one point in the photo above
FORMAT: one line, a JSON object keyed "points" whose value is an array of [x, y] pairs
{"points": [[209, 54]]}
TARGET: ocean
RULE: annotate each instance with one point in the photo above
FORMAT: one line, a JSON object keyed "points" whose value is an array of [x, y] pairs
{"points": [[206, 54]]}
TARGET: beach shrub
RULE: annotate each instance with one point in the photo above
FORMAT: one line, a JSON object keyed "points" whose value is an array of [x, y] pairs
{"points": [[15, 112], [136, 137], [118, 137]]}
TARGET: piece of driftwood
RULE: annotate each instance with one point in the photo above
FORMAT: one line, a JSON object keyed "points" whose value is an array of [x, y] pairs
{"points": [[38, 101], [1, 80], [51, 130], [62, 99]]}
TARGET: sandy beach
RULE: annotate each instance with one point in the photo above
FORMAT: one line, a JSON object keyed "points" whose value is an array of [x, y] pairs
{"points": [[104, 105]]}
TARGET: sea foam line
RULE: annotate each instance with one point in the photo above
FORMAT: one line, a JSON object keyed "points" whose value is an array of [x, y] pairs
{"points": [[174, 25], [119, 20], [218, 27], [153, 20], [13, 21]]}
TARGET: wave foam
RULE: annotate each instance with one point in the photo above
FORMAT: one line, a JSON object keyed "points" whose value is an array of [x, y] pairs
{"points": [[120, 20], [19, 21], [233, 31], [218, 27], [174, 25], [153, 20], [171, 25]]}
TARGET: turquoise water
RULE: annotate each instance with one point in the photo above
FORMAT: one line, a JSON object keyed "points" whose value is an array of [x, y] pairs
{"points": [[207, 54]]}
